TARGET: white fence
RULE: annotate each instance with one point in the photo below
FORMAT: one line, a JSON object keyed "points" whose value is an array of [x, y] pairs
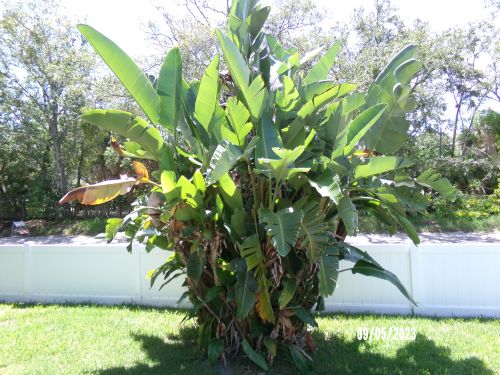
{"points": [[444, 279]]}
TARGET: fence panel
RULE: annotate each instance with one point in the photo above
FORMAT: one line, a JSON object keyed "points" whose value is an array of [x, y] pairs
{"points": [[367, 294], [444, 279]]}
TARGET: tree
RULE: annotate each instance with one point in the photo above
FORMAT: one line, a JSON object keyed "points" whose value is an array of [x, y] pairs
{"points": [[294, 23], [260, 178], [47, 70], [467, 83], [373, 36]]}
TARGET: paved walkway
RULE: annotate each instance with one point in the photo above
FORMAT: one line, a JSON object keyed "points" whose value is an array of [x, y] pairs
{"points": [[57, 240], [452, 237]]}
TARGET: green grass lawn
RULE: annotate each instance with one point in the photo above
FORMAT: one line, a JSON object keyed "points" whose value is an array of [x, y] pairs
{"points": [[128, 340]]}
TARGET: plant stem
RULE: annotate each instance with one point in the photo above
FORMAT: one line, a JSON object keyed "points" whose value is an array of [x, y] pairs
{"points": [[154, 183], [275, 195], [254, 209], [347, 269]]}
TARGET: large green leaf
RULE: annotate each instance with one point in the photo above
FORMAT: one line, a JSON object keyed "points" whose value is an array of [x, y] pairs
{"points": [[126, 70], [169, 88], [246, 289], [380, 164], [369, 269], [353, 254], [316, 88], [230, 192], [282, 168], [223, 159], [304, 315], [288, 97], [294, 134], [268, 134], [388, 135], [348, 214], [286, 60], [328, 186], [319, 101], [406, 71], [433, 180], [254, 356], [255, 94], [189, 192], [207, 95], [412, 199], [112, 227], [215, 349], [134, 128], [264, 306], [257, 20], [320, 70], [252, 253], [405, 224], [299, 359], [366, 265], [328, 274], [283, 227], [313, 230], [405, 54], [361, 124], [287, 293], [134, 150], [238, 117], [234, 60], [195, 265]]}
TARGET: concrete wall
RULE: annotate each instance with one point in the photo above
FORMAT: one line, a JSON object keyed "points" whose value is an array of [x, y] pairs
{"points": [[444, 279]]}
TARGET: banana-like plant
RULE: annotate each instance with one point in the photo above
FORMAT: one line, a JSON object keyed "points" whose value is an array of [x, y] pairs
{"points": [[262, 172]]}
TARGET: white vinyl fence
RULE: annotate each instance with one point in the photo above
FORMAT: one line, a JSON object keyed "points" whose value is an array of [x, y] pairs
{"points": [[445, 279]]}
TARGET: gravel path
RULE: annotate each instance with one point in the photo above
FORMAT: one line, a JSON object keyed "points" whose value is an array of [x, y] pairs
{"points": [[452, 237]]}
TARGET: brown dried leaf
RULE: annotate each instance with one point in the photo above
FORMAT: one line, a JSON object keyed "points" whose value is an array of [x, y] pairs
{"points": [[141, 171], [99, 193], [310, 342], [116, 146]]}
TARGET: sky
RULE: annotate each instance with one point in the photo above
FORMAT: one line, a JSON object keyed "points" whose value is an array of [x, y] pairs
{"points": [[121, 20]]}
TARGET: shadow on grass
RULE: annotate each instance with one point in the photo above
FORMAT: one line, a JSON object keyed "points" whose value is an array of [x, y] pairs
{"points": [[338, 355], [335, 355], [177, 355]]}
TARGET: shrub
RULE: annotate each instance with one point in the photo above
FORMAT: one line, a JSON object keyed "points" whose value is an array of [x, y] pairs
{"points": [[261, 174], [467, 206]]}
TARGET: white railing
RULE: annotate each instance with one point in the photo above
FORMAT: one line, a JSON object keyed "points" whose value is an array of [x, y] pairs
{"points": [[444, 279]]}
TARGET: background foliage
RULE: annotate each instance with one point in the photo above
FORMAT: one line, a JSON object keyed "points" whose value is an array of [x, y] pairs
{"points": [[451, 130]]}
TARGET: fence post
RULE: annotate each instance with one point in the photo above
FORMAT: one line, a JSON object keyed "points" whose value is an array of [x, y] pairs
{"points": [[416, 277], [140, 252], [28, 266]]}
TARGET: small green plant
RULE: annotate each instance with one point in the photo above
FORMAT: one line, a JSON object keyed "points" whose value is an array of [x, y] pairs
{"points": [[262, 172], [467, 206]]}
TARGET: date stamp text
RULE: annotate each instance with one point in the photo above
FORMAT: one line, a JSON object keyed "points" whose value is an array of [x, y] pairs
{"points": [[386, 333]]}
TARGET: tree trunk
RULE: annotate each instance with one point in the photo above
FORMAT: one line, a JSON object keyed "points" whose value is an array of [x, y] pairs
{"points": [[80, 164], [455, 126], [62, 185]]}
